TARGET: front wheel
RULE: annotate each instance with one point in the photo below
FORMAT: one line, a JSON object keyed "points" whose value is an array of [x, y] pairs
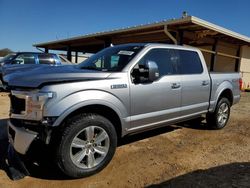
{"points": [[87, 145], [219, 118]]}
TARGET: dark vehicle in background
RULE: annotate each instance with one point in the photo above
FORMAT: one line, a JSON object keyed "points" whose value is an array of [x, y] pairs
{"points": [[23, 61]]}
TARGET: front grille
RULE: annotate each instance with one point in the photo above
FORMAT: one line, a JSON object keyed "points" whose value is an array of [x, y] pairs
{"points": [[27, 124], [17, 104]]}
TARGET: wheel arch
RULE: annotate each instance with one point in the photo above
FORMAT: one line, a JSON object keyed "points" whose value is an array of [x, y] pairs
{"points": [[225, 89], [227, 93], [101, 109]]}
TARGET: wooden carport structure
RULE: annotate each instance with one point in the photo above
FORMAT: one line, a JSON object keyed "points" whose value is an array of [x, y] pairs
{"points": [[221, 47]]}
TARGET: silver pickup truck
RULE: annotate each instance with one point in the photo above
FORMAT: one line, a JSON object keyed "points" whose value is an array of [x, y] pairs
{"points": [[121, 90]]}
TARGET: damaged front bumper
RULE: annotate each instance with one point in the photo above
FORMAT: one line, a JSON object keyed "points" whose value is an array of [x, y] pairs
{"points": [[20, 138]]}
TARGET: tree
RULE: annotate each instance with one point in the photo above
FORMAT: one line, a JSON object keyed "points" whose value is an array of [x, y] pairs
{"points": [[5, 51]]}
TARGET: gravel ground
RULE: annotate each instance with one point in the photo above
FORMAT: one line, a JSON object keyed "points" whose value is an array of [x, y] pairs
{"points": [[186, 155]]}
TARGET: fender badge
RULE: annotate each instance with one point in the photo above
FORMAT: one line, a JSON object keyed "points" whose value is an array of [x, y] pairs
{"points": [[119, 86]]}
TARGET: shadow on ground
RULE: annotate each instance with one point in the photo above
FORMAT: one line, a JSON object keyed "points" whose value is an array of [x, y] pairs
{"points": [[9, 160], [3, 142], [147, 134], [39, 160], [230, 175], [45, 168]]}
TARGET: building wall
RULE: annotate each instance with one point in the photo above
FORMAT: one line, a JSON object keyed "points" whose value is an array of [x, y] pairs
{"points": [[222, 64], [207, 55], [245, 66], [225, 64]]}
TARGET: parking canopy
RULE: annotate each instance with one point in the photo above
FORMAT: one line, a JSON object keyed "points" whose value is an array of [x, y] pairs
{"points": [[219, 45]]}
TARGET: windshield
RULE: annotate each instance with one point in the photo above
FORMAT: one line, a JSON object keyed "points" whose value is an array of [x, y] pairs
{"points": [[7, 57], [112, 59]]}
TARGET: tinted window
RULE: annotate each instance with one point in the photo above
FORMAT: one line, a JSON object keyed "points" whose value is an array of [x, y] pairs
{"points": [[24, 59], [7, 58], [165, 59], [46, 59], [190, 62]]}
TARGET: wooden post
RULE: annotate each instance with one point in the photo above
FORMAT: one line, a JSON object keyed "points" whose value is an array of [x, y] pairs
{"points": [[214, 56], [76, 57], [237, 61], [107, 43], [69, 55], [180, 37]]}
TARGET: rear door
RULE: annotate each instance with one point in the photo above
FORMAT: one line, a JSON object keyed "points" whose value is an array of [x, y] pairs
{"points": [[195, 83]]}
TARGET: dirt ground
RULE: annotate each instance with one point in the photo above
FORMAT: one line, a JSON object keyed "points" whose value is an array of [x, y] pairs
{"points": [[186, 155]]}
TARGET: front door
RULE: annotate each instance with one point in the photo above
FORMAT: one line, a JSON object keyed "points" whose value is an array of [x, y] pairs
{"points": [[156, 102]]}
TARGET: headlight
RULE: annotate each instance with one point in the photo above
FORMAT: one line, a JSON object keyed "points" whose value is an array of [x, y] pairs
{"points": [[36, 101], [29, 105]]}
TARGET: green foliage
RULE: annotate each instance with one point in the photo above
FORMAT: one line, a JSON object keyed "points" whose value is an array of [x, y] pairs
{"points": [[5, 51]]}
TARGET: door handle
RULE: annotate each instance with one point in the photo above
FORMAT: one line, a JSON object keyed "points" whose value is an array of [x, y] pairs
{"points": [[205, 83], [175, 85]]}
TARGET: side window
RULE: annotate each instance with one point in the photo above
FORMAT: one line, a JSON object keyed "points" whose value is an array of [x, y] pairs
{"points": [[46, 59], [24, 59], [114, 61], [166, 60], [190, 62]]}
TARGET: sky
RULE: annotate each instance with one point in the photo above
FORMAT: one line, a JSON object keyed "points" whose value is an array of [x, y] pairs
{"points": [[25, 22]]}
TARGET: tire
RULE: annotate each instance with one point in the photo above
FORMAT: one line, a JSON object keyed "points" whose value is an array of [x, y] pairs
{"points": [[219, 118], [87, 144]]}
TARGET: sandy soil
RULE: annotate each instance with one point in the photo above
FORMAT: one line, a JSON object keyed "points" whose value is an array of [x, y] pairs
{"points": [[186, 155]]}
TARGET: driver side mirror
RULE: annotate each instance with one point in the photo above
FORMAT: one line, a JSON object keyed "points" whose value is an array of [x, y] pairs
{"points": [[148, 72], [153, 71]]}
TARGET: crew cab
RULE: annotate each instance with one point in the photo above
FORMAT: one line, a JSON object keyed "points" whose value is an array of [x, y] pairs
{"points": [[125, 89], [22, 61]]}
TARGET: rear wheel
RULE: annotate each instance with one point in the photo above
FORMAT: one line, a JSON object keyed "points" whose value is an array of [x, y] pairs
{"points": [[87, 145], [219, 118]]}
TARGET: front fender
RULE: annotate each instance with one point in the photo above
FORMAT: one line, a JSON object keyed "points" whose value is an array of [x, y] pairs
{"points": [[70, 103]]}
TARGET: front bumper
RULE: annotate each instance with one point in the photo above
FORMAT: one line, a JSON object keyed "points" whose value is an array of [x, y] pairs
{"points": [[20, 138]]}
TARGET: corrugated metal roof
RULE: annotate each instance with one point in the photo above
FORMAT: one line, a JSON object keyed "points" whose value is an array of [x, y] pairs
{"points": [[171, 22]]}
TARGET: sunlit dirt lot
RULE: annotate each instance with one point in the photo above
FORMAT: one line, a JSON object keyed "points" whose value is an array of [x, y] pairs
{"points": [[185, 155]]}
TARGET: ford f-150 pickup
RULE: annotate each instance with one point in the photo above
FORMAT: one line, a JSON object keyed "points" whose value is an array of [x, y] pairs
{"points": [[121, 90]]}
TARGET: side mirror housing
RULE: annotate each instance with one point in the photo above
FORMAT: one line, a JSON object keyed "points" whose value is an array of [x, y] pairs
{"points": [[153, 71]]}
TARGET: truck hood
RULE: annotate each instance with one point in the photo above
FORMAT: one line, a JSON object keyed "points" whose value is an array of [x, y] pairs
{"points": [[40, 76], [7, 69]]}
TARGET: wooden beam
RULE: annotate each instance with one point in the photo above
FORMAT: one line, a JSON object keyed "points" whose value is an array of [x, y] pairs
{"points": [[140, 34], [180, 37], [107, 43], [237, 61], [214, 56], [69, 55], [76, 57]]}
